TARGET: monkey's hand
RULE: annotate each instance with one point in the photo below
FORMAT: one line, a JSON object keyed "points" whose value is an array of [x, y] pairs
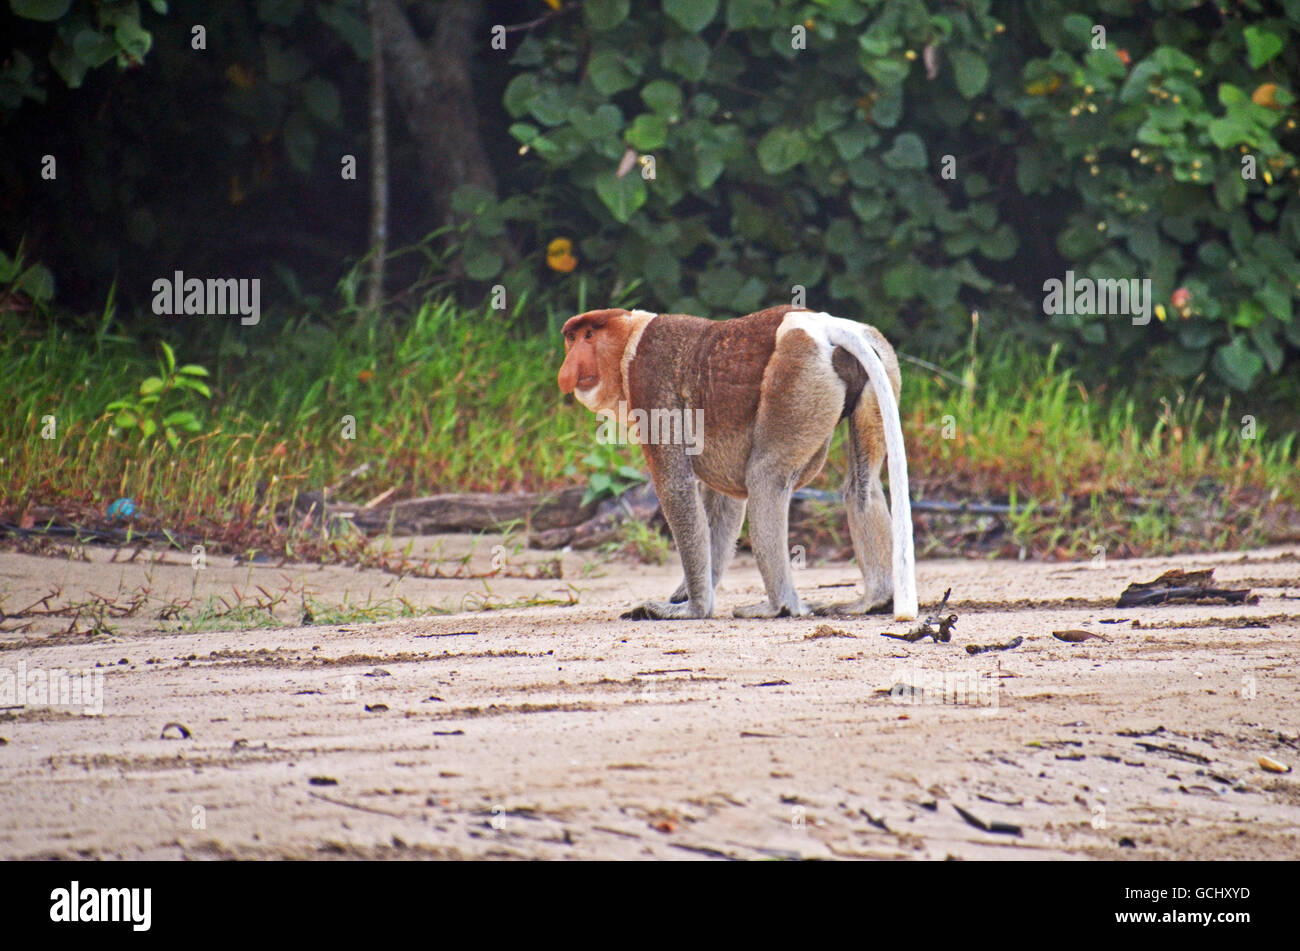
{"points": [[664, 611]]}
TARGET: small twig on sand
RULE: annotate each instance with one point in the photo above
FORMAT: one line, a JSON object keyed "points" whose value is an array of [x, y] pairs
{"points": [[353, 805], [939, 628]]}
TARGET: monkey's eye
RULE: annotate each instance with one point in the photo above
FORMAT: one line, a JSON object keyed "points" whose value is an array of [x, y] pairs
{"points": [[590, 334]]}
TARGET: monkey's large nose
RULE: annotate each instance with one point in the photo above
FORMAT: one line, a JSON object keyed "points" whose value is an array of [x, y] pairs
{"points": [[568, 377]]}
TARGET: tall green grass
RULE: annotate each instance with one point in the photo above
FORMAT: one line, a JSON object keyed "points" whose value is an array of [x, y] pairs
{"points": [[456, 399], [447, 399], [1030, 424]]}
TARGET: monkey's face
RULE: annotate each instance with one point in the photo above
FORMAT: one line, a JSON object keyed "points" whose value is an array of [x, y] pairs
{"points": [[593, 350]]}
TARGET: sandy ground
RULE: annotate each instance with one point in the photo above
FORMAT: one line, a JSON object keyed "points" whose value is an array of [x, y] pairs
{"points": [[555, 731]]}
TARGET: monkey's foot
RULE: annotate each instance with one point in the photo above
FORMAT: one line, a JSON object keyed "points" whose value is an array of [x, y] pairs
{"points": [[860, 606], [767, 609], [663, 611]]}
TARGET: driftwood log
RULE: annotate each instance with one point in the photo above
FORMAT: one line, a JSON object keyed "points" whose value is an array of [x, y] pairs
{"points": [[1178, 585], [639, 504], [552, 520], [474, 512]]}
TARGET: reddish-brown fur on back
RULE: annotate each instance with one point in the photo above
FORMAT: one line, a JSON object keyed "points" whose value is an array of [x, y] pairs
{"points": [[690, 363]]}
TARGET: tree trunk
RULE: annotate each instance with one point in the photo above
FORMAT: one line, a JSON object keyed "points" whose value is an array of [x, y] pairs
{"points": [[378, 167], [434, 90]]}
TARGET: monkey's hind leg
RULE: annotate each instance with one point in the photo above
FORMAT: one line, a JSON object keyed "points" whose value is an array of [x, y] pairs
{"points": [[769, 522], [726, 515], [868, 513], [801, 402]]}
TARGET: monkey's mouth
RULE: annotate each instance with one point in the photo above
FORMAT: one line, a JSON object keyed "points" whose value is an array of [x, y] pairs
{"points": [[588, 382]]}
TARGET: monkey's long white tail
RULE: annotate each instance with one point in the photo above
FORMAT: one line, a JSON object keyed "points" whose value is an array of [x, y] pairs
{"points": [[850, 336]]}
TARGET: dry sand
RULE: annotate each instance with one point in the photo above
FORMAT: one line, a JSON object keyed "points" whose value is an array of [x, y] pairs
{"points": [[562, 732]]}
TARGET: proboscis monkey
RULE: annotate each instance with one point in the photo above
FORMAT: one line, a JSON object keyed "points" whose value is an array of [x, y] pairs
{"points": [[769, 389]]}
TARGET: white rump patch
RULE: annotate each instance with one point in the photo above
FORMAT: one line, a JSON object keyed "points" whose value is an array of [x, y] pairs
{"points": [[813, 325]]}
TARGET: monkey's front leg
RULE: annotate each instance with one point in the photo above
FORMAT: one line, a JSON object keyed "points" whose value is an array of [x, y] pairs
{"points": [[679, 496], [726, 515]]}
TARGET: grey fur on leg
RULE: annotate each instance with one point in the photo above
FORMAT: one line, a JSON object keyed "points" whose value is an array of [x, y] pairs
{"points": [[684, 510], [769, 517], [726, 516]]}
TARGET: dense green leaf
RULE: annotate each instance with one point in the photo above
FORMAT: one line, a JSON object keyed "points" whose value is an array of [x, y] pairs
{"points": [[908, 151], [647, 132], [622, 196], [1238, 364], [1261, 45], [605, 122], [687, 56], [691, 15], [969, 70], [610, 72], [663, 97], [781, 150], [519, 93], [747, 14], [45, 10], [483, 264], [604, 15], [853, 140]]}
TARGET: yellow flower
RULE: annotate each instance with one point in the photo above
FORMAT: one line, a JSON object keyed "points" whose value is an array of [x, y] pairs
{"points": [[1266, 95], [1043, 87], [553, 4], [559, 255]]}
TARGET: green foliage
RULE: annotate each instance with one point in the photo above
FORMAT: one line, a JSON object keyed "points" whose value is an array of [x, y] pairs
{"points": [[33, 281], [87, 35], [1177, 143], [1118, 156], [159, 405], [610, 472], [645, 542], [447, 399], [224, 155], [763, 145]]}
